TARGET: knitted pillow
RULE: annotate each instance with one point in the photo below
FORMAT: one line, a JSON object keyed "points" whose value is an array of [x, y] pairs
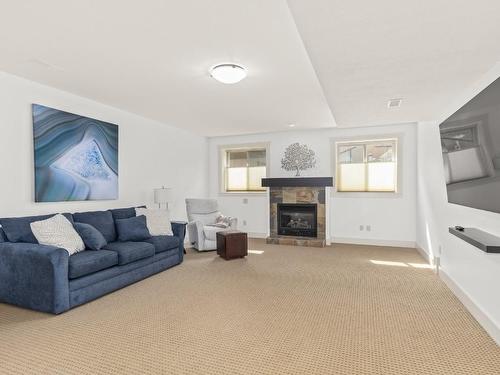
{"points": [[59, 232], [157, 220]]}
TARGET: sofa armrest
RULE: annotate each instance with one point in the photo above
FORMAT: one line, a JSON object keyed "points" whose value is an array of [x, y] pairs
{"points": [[34, 276], [179, 229]]}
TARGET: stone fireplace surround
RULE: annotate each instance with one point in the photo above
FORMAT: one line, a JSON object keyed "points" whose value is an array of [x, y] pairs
{"points": [[310, 190]]}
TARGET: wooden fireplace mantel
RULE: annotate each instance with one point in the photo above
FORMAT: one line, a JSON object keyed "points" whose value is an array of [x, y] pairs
{"points": [[297, 182]]}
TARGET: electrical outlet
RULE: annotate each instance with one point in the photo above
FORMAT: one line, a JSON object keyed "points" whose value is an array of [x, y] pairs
{"points": [[369, 228], [361, 227], [245, 200], [244, 222]]}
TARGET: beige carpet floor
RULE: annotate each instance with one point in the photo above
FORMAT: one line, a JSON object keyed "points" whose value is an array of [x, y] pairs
{"points": [[291, 310]]}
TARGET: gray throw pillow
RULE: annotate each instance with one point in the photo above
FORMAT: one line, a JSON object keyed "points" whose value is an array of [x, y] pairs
{"points": [[92, 238]]}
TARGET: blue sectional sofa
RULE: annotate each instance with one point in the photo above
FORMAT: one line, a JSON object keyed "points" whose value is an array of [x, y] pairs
{"points": [[46, 278]]}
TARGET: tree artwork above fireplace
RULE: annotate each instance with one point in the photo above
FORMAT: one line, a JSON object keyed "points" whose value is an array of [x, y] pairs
{"points": [[297, 219]]}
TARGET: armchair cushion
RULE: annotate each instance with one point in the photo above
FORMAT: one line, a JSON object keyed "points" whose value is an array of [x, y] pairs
{"points": [[201, 206], [206, 219], [204, 210], [87, 262], [129, 252]]}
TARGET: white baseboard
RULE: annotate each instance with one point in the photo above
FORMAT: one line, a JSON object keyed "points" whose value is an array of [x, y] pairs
{"points": [[374, 242], [483, 318], [423, 254], [356, 241]]}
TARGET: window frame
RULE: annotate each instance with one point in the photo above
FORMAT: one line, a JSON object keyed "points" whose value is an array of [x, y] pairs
{"points": [[398, 138], [224, 149]]}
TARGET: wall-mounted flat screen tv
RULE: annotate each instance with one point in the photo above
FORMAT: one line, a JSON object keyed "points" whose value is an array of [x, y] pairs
{"points": [[470, 140]]}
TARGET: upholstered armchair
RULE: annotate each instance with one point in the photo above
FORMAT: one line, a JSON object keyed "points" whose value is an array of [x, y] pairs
{"points": [[202, 214]]}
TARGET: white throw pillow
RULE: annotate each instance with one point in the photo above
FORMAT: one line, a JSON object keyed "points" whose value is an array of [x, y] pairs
{"points": [[58, 231], [157, 221]]}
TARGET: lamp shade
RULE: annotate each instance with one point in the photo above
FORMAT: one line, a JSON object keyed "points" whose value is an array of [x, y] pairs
{"points": [[163, 195]]}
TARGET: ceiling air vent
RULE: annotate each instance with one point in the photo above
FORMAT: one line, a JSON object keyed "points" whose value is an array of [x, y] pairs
{"points": [[394, 103]]}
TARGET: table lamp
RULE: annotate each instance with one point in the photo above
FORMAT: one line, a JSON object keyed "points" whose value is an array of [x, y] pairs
{"points": [[163, 195]]}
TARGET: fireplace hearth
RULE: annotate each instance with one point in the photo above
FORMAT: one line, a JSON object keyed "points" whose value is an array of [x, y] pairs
{"points": [[297, 219]]}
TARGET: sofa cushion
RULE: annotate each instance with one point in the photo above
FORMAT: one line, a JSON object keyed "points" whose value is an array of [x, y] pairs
{"points": [[17, 229], [101, 220], [87, 262], [131, 251], [102, 279], [163, 243], [59, 232], [92, 238], [211, 232], [124, 213], [2, 235], [132, 229]]}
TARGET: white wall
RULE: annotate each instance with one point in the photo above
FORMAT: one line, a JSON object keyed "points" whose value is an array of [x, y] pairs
{"points": [[471, 273], [392, 219], [151, 154]]}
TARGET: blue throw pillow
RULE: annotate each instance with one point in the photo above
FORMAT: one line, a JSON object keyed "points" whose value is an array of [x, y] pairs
{"points": [[132, 229], [92, 238]]}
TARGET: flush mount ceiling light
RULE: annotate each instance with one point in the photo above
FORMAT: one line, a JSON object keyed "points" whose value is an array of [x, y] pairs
{"points": [[228, 73]]}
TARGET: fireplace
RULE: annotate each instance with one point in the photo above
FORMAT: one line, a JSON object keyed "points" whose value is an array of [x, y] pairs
{"points": [[297, 219], [298, 210]]}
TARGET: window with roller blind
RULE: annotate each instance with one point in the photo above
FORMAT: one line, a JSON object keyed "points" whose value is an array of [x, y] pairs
{"points": [[243, 169], [367, 166]]}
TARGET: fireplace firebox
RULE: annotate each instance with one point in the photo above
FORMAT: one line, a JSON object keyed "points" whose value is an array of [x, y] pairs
{"points": [[297, 219]]}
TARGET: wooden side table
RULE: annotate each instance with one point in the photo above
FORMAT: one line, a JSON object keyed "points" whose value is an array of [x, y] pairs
{"points": [[232, 244]]}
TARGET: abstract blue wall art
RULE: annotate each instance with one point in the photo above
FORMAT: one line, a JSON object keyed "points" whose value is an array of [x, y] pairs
{"points": [[76, 157]]}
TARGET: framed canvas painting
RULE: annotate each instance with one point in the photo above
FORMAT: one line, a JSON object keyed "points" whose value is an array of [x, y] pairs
{"points": [[76, 157]]}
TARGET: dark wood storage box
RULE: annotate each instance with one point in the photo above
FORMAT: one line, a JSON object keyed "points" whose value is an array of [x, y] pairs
{"points": [[232, 244]]}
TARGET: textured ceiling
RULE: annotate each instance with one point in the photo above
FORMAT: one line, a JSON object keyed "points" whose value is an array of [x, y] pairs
{"points": [[426, 52], [315, 64]]}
